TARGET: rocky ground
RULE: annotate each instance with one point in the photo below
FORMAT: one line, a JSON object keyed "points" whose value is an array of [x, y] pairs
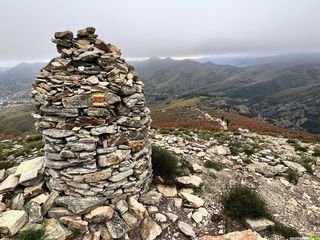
{"points": [[192, 208], [258, 161]]}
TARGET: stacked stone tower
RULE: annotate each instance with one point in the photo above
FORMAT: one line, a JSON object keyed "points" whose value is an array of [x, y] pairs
{"points": [[90, 106]]}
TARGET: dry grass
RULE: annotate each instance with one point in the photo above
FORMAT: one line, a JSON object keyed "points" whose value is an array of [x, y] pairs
{"points": [[189, 118]]}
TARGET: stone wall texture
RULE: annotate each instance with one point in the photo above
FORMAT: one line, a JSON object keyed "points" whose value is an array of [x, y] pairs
{"points": [[90, 106]]}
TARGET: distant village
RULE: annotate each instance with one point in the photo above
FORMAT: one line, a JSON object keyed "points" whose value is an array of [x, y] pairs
{"points": [[12, 101]]}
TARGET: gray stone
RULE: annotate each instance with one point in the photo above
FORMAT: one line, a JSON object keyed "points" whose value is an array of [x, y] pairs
{"points": [[99, 214], [97, 112], [193, 201], [259, 224], [295, 166], [117, 227], [81, 146], [49, 203], [86, 32], [79, 205], [2, 174], [120, 176], [77, 101], [58, 212], [57, 133], [191, 180], [66, 35], [150, 230], [103, 130], [112, 158], [131, 100], [17, 202], [151, 198], [34, 212], [121, 206], [131, 220], [75, 224], [9, 184], [12, 221], [62, 112], [186, 229], [198, 215], [55, 231], [29, 170]]}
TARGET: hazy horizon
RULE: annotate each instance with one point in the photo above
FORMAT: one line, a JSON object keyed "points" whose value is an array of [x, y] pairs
{"points": [[178, 28]]}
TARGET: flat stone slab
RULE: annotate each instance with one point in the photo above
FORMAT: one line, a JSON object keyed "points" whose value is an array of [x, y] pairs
{"points": [[117, 227], [259, 224], [12, 221], [9, 184], [29, 170], [193, 201], [191, 180], [79, 205], [295, 166]]}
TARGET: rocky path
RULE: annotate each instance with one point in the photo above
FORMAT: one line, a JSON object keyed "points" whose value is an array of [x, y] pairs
{"points": [[265, 169], [192, 208], [207, 116]]}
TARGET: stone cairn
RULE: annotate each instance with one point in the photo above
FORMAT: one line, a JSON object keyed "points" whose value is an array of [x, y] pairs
{"points": [[91, 108]]}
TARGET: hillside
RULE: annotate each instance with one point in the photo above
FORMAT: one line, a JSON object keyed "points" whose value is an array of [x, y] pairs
{"points": [[261, 91], [18, 78], [168, 76], [282, 90]]}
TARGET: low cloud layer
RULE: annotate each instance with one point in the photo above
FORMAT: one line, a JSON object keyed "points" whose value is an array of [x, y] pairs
{"points": [[143, 28]]}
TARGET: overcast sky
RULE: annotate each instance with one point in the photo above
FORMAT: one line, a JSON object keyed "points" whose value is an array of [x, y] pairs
{"points": [[143, 28]]}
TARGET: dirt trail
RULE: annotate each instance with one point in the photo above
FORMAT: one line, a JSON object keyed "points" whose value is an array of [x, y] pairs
{"points": [[207, 116]]}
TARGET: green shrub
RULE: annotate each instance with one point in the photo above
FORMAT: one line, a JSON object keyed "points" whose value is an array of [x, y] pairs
{"points": [[34, 137], [242, 202], [234, 150], [33, 145], [166, 130], [164, 163], [28, 147], [291, 141], [11, 132], [300, 148], [31, 234], [285, 231], [307, 163], [215, 165], [6, 164], [316, 152], [248, 151], [293, 175], [206, 135]]}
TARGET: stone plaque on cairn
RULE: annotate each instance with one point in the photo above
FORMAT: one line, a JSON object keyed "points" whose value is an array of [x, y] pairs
{"points": [[90, 106]]}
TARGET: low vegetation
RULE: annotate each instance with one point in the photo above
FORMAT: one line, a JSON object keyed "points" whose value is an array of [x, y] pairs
{"points": [[307, 163], [34, 137], [215, 165], [31, 234], [292, 176], [164, 163], [237, 147], [242, 202], [283, 230], [16, 121], [316, 152], [296, 145], [27, 148], [188, 118]]}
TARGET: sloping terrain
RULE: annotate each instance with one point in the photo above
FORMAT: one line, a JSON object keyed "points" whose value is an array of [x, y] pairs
{"points": [[18, 78], [282, 90]]}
